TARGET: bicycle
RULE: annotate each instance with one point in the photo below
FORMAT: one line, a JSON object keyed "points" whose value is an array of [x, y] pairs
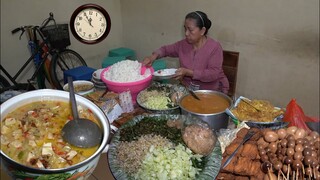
{"points": [[52, 45]]}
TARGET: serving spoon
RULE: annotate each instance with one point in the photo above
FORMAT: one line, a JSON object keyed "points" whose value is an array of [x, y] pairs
{"points": [[143, 69], [80, 132], [193, 94], [251, 105]]}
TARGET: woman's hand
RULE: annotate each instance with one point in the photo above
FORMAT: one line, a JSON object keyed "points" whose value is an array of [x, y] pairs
{"points": [[181, 72], [147, 61]]}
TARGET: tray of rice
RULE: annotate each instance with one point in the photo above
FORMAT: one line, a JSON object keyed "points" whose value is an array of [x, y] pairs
{"points": [[161, 98], [153, 146], [257, 113]]}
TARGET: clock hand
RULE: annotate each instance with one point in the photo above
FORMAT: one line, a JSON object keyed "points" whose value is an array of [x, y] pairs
{"points": [[90, 20]]}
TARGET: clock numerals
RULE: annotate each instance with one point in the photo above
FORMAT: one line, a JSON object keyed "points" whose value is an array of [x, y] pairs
{"points": [[91, 23]]}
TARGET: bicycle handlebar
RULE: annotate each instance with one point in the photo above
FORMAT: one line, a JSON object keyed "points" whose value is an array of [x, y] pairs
{"points": [[16, 30], [46, 21], [44, 24]]}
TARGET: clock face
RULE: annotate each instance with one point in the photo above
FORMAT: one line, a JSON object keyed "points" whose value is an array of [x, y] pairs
{"points": [[90, 23]]}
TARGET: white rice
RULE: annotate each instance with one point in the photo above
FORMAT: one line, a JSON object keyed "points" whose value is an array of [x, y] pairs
{"points": [[126, 71]]}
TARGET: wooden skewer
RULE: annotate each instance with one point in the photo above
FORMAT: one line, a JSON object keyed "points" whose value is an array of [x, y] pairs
{"points": [[311, 171], [293, 175], [288, 171], [284, 176]]}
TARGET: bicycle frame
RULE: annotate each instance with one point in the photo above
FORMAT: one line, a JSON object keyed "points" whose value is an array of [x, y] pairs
{"points": [[13, 78], [39, 48]]}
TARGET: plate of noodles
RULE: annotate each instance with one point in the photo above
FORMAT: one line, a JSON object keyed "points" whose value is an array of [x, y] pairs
{"points": [[158, 152], [257, 113]]}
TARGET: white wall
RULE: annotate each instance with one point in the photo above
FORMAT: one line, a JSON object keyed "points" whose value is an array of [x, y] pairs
{"points": [[15, 13], [278, 41]]}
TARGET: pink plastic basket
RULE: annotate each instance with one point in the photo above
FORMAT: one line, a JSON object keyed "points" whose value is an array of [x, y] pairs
{"points": [[134, 87]]}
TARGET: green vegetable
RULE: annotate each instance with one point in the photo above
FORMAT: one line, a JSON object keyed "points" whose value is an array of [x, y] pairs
{"points": [[168, 163], [20, 155], [151, 125], [157, 102], [157, 126]]}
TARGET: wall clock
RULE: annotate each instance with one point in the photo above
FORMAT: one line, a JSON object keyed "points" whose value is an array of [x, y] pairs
{"points": [[90, 23]]}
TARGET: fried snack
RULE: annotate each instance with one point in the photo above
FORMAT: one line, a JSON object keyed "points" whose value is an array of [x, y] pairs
{"points": [[250, 151], [267, 112], [246, 163]]}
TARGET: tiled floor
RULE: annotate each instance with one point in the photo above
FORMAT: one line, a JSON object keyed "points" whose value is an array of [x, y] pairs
{"points": [[101, 172]]}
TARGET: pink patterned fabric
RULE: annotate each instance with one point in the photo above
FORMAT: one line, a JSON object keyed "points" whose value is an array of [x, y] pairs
{"points": [[205, 62]]}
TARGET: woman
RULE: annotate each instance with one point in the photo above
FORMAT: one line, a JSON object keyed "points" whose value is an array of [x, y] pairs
{"points": [[200, 56]]}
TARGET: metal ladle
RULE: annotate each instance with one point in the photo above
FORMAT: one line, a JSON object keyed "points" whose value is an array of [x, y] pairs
{"points": [[80, 132]]}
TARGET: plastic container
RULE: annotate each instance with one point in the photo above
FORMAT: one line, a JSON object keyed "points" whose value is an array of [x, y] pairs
{"points": [[133, 87]]}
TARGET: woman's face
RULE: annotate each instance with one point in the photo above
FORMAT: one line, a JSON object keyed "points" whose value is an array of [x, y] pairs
{"points": [[192, 32]]}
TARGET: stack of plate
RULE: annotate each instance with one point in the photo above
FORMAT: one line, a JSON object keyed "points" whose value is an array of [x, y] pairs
{"points": [[98, 83]]}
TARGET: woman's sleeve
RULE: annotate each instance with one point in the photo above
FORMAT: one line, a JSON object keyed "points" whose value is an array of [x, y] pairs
{"points": [[214, 68], [170, 50]]}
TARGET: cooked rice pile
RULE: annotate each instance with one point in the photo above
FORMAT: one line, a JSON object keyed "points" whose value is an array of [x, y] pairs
{"points": [[131, 154], [126, 71]]}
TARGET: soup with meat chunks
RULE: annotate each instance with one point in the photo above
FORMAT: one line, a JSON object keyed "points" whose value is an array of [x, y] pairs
{"points": [[31, 135], [208, 104]]}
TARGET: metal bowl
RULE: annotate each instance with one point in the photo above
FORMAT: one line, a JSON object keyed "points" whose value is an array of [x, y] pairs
{"points": [[215, 120], [170, 90], [18, 171]]}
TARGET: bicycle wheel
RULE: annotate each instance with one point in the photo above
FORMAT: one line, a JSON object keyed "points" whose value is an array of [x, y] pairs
{"points": [[62, 61]]}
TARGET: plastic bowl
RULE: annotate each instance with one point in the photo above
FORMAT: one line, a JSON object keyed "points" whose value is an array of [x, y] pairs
{"points": [[134, 87]]}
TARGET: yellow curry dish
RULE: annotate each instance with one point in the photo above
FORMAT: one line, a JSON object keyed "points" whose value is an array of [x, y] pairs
{"points": [[256, 110], [31, 135], [208, 104]]}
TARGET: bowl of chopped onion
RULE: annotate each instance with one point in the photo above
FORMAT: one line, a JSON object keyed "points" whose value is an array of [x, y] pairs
{"points": [[161, 98]]}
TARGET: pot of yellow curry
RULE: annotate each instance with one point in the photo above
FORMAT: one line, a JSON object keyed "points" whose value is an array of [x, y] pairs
{"points": [[210, 108], [31, 143]]}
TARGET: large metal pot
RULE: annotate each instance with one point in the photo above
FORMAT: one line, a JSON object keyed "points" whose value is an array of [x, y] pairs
{"points": [[80, 170], [215, 120]]}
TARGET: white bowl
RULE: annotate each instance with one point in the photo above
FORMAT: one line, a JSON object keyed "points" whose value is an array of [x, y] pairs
{"points": [[81, 83], [96, 74], [97, 82], [86, 167]]}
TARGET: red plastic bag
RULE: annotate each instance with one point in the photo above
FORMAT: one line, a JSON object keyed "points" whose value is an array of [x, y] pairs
{"points": [[295, 116]]}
